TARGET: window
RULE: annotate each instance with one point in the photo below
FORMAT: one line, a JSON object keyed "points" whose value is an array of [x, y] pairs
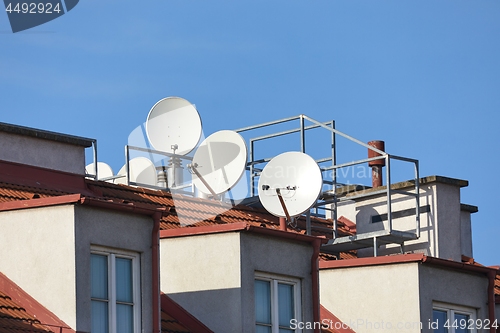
{"points": [[277, 302], [115, 291], [453, 319]]}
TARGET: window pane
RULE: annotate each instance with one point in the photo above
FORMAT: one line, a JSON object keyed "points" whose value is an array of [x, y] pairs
{"points": [[99, 276], [263, 302], [285, 330], [99, 317], [262, 329], [124, 280], [124, 318], [462, 322], [439, 319], [285, 304]]}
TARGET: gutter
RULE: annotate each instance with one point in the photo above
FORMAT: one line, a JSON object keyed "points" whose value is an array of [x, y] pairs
{"points": [[315, 282], [155, 258], [491, 298]]}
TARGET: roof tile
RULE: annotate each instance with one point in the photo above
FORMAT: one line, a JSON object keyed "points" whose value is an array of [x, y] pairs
{"points": [[14, 318]]}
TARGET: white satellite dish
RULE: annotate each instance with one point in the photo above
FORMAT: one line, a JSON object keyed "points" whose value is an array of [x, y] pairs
{"points": [[290, 184], [219, 162], [173, 125], [103, 170], [142, 171]]}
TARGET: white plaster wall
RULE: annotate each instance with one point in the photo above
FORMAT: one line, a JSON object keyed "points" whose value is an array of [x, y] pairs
{"points": [[43, 153], [376, 206], [38, 254], [113, 230], [345, 208], [452, 287], [444, 232], [203, 274], [448, 222], [373, 298]]}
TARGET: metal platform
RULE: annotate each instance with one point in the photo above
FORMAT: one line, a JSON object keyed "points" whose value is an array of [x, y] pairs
{"points": [[367, 240]]}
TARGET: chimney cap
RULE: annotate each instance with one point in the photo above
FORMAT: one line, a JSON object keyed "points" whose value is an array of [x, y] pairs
{"points": [[47, 135]]}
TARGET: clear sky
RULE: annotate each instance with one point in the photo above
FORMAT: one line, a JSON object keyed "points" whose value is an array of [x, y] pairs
{"points": [[422, 75]]}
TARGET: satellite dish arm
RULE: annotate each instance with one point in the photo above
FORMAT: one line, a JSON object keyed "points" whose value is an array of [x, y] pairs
{"points": [[282, 202], [193, 167]]}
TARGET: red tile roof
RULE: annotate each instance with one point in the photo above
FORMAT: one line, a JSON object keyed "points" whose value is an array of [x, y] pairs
{"points": [[332, 324], [25, 183], [20, 313], [497, 285], [175, 319]]}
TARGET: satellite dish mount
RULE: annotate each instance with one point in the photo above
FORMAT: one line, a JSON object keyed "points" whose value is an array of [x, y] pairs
{"points": [[280, 198]]}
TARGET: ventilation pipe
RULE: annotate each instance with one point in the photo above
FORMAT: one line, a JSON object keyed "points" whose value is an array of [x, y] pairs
{"points": [[376, 165]]}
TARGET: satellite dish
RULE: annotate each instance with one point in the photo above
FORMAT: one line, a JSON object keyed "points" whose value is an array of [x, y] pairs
{"points": [[174, 125], [103, 170], [142, 171], [219, 162], [290, 184]]}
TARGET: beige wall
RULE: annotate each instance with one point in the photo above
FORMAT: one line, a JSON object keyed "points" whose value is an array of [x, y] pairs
{"points": [[212, 275], [203, 274], [46, 251], [43, 153], [373, 298], [399, 294], [38, 254]]}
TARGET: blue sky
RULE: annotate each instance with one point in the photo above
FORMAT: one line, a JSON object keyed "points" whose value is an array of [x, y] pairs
{"points": [[422, 75]]}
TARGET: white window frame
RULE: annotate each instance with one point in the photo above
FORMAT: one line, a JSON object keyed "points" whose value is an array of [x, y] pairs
{"points": [[112, 254], [452, 309], [297, 293]]}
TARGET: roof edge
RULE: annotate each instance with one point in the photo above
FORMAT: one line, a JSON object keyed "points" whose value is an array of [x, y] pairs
{"points": [[238, 226], [469, 208], [286, 234], [347, 190], [192, 323], [371, 261], [47, 135], [333, 322], [31, 305], [39, 177], [40, 202], [203, 230], [405, 258]]}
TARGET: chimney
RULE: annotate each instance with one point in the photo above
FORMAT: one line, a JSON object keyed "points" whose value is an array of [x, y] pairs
{"points": [[44, 149], [377, 164]]}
